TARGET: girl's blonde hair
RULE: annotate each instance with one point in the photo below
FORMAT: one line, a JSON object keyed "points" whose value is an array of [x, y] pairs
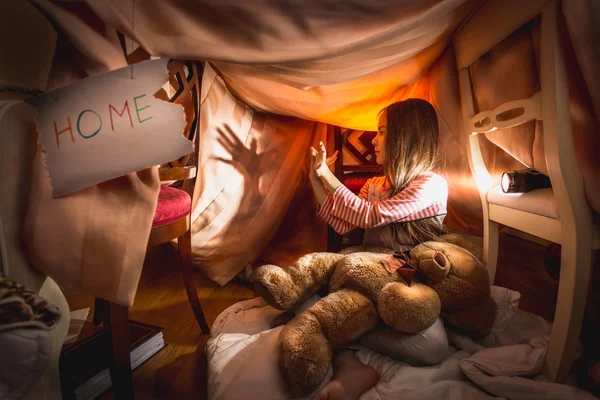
{"points": [[411, 151]]}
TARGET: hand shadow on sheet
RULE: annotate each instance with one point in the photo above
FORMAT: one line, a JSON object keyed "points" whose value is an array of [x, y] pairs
{"points": [[252, 165]]}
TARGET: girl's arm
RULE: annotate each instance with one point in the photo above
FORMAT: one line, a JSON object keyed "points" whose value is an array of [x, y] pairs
{"points": [[323, 197], [317, 186], [318, 189], [324, 181], [321, 170], [338, 224], [330, 181], [423, 198]]}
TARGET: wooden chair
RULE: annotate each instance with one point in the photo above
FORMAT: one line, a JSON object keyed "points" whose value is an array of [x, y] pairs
{"points": [[172, 220], [358, 144], [571, 224]]}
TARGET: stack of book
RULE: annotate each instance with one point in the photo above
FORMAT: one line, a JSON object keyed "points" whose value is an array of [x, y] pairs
{"points": [[84, 364]]}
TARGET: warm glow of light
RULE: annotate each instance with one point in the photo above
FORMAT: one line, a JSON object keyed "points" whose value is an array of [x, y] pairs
{"points": [[484, 181]]}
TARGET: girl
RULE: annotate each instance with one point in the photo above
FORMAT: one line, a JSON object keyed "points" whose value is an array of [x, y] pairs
{"points": [[404, 207]]}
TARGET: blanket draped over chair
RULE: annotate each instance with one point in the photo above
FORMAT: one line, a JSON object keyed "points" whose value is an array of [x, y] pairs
{"points": [[315, 63]]}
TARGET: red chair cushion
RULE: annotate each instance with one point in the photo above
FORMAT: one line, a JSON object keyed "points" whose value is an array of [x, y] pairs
{"points": [[173, 204]]}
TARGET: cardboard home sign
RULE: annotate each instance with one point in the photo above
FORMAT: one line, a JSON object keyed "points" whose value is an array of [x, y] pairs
{"points": [[106, 126]]}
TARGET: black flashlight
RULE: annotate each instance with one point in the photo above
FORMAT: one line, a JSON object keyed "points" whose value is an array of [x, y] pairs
{"points": [[524, 181]]}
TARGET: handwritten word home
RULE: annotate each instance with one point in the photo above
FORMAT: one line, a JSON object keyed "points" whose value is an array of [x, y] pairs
{"points": [[89, 123]]}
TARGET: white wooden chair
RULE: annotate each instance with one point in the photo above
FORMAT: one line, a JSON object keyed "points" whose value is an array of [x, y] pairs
{"points": [[560, 214]]}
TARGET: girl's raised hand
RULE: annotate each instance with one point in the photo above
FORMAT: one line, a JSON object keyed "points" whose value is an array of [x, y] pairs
{"points": [[319, 162], [312, 153], [331, 160], [322, 162]]}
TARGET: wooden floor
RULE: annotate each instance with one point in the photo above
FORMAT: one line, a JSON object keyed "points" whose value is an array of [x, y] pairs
{"points": [[179, 370], [521, 267]]}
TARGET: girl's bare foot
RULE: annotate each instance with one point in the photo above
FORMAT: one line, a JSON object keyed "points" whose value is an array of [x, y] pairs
{"points": [[351, 378]]}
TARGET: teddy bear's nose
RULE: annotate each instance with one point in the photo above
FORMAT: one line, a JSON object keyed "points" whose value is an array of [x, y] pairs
{"points": [[440, 259]]}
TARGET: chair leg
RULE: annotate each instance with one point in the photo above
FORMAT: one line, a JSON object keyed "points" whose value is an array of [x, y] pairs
{"points": [[99, 305], [116, 322], [184, 243], [490, 247], [575, 268]]}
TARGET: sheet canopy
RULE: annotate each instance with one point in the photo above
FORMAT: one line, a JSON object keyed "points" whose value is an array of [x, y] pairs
{"points": [[339, 62], [333, 61]]}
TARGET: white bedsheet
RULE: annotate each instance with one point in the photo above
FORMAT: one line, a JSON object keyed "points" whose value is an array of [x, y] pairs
{"points": [[243, 360]]}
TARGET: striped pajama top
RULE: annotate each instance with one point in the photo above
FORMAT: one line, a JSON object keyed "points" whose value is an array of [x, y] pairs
{"points": [[374, 210]]}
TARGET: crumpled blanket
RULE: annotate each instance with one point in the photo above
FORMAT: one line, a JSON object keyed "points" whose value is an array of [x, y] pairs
{"points": [[243, 360]]}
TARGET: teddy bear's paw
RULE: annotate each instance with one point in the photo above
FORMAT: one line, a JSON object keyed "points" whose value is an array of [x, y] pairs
{"points": [[408, 309], [305, 359], [275, 286]]}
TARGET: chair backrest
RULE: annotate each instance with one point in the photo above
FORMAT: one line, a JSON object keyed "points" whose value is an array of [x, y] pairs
{"points": [[184, 88], [359, 147], [356, 157], [185, 79], [358, 144], [551, 104], [356, 163]]}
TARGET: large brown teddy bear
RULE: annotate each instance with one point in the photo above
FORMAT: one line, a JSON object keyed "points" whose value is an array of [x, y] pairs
{"points": [[450, 282]]}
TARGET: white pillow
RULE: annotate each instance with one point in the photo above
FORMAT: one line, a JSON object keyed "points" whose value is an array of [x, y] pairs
{"points": [[246, 367], [428, 347]]}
